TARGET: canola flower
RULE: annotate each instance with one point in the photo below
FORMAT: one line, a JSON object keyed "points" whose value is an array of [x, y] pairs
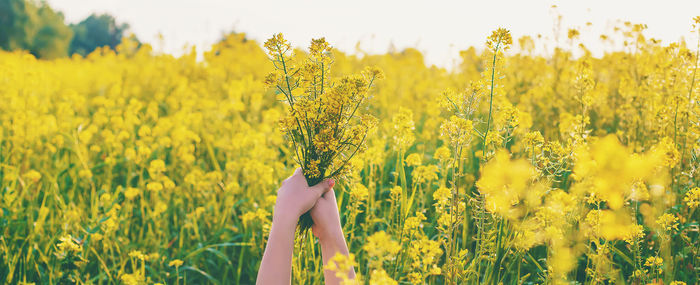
{"points": [[692, 198], [504, 183], [136, 167]]}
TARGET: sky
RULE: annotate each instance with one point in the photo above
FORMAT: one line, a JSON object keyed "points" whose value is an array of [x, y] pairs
{"points": [[438, 28]]}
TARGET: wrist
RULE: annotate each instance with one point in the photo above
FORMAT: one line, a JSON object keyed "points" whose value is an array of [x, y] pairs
{"points": [[331, 235], [283, 215]]}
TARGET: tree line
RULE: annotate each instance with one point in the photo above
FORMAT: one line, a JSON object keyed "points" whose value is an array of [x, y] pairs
{"points": [[34, 26]]}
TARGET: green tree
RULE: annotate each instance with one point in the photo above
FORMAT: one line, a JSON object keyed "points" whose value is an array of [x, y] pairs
{"points": [[35, 27], [96, 31], [13, 24]]}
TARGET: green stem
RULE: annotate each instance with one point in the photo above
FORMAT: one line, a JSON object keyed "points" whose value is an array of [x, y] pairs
{"points": [[493, 75], [499, 253]]}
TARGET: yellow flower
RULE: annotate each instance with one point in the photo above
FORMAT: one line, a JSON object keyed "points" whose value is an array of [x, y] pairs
{"points": [[259, 214], [563, 260], [132, 279], [68, 244], [131, 192], [499, 39], [613, 225], [692, 197], [319, 47], [403, 128], [159, 209], [504, 182], [277, 45], [435, 270], [573, 34], [442, 153], [33, 175], [635, 234], [415, 278], [533, 139], [607, 169], [175, 263], [137, 254], [395, 192], [156, 167], [425, 173], [413, 159], [380, 247], [668, 222], [154, 186], [654, 261], [442, 196], [445, 220], [271, 79], [424, 253], [414, 223], [312, 169], [667, 149], [85, 173], [341, 264], [380, 277], [359, 192], [324, 141], [457, 131]]}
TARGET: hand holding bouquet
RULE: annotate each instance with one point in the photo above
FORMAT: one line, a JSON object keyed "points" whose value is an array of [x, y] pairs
{"points": [[324, 123]]}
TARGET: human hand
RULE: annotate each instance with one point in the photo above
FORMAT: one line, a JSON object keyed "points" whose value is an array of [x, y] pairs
{"points": [[326, 217], [330, 235], [295, 197]]}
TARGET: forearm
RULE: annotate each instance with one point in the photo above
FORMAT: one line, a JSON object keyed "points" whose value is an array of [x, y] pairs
{"points": [[276, 264], [331, 244]]}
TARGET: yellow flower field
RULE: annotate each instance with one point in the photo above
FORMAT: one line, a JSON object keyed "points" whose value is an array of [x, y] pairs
{"points": [[135, 167]]}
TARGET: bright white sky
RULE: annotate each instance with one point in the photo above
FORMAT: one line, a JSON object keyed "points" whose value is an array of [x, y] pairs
{"points": [[440, 29]]}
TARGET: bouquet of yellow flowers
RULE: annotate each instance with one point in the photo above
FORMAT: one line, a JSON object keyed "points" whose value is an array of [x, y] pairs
{"points": [[324, 123]]}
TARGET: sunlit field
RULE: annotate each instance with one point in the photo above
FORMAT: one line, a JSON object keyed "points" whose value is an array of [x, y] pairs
{"points": [[131, 166]]}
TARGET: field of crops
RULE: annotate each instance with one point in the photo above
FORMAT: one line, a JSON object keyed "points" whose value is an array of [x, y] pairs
{"points": [[135, 167]]}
